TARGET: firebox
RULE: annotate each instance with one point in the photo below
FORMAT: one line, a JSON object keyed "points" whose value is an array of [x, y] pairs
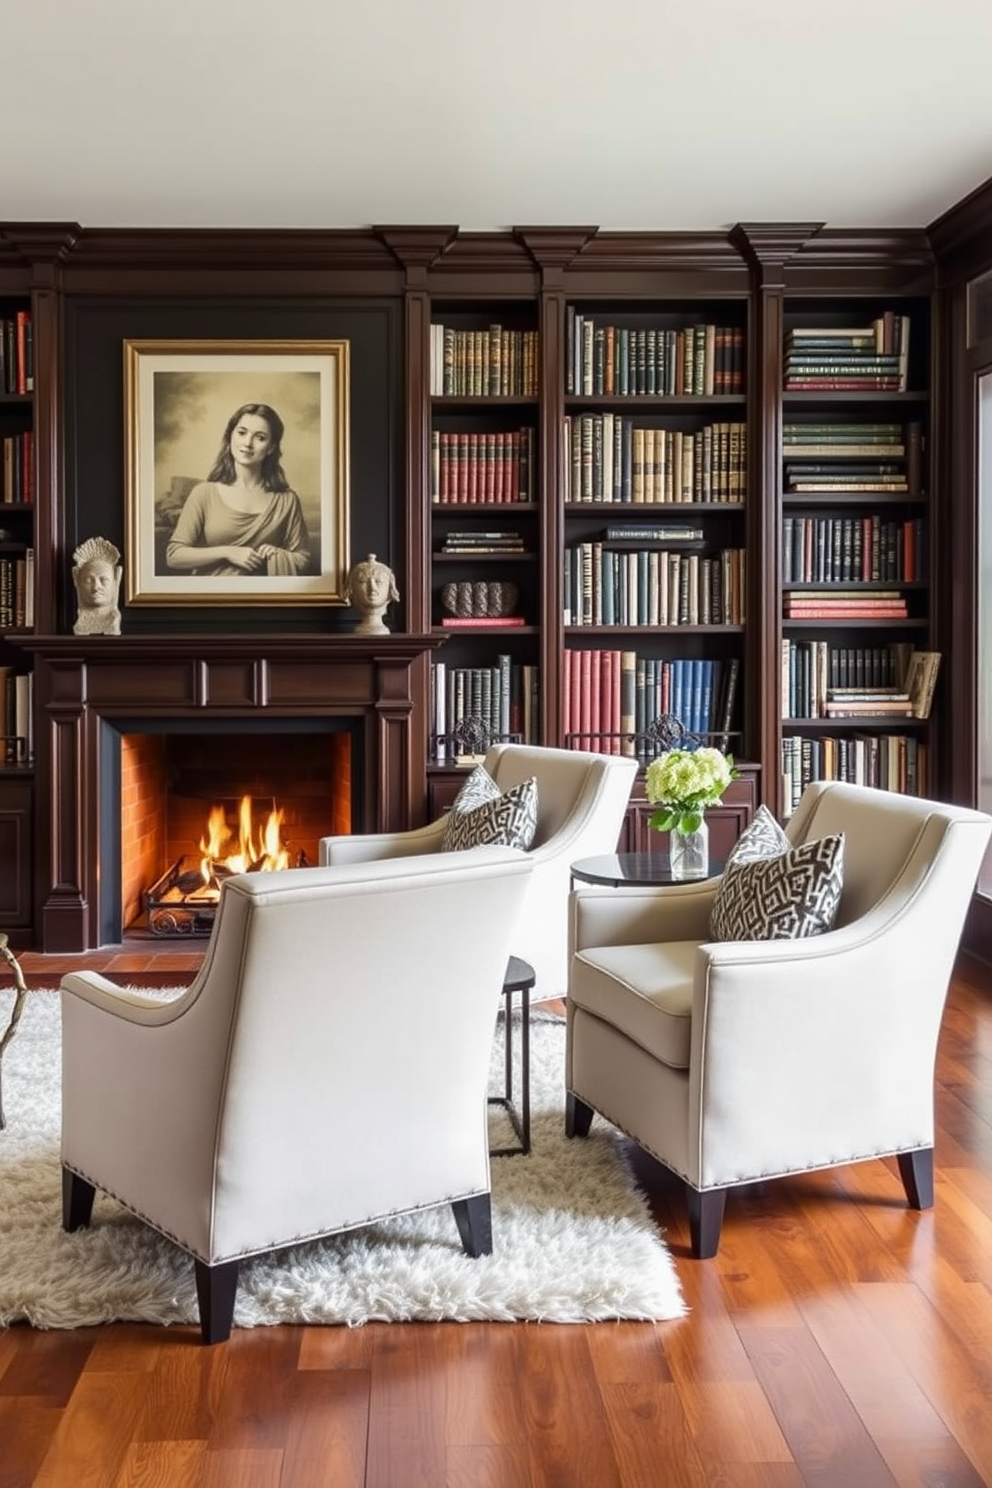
{"points": [[196, 805]]}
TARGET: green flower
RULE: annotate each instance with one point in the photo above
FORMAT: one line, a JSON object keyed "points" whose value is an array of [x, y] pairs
{"points": [[683, 782]]}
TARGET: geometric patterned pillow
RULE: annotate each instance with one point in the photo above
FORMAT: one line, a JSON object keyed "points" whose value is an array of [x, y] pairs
{"points": [[483, 815], [785, 898], [479, 788], [761, 838]]}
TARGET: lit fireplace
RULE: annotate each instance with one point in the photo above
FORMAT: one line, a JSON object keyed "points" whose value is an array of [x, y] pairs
{"points": [[184, 899], [328, 724]]}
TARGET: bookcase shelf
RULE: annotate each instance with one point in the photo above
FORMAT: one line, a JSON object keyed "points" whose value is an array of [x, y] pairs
{"points": [[653, 501], [864, 721], [661, 403], [872, 537], [579, 631], [485, 493], [17, 544]]}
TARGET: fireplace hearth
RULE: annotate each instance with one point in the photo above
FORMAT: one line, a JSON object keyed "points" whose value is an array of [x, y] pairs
{"points": [[95, 691]]}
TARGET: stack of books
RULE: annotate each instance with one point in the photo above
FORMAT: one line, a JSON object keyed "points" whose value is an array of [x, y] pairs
{"points": [[470, 544], [869, 358], [867, 702], [845, 604]]}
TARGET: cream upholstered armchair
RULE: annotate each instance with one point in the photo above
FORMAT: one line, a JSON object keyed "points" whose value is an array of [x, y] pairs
{"points": [[581, 803], [332, 1002], [737, 1061]]}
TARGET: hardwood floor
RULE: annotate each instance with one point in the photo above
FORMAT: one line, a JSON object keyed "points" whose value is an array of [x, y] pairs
{"points": [[837, 1340]]}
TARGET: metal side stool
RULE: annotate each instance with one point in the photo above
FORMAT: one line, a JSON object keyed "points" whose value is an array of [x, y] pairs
{"points": [[520, 977]]}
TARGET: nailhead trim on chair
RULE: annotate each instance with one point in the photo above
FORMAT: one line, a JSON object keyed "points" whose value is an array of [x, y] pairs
{"points": [[243, 1255]]}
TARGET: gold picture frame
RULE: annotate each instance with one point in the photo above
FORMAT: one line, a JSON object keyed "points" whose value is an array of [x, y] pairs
{"points": [[276, 522]]}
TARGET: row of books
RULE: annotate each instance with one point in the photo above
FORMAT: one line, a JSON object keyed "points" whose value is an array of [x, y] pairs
{"points": [[824, 681], [895, 762], [504, 696], [17, 468], [17, 592], [844, 604], [610, 698], [470, 468], [860, 666], [868, 549], [494, 363], [849, 358], [17, 353], [17, 704], [651, 586], [607, 457], [610, 360]]}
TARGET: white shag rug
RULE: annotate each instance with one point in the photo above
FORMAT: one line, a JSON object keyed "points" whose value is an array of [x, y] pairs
{"points": [[572, 1237]]}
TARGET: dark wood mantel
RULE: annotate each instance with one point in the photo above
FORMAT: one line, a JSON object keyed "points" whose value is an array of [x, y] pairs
{"points": [[84, 681]]}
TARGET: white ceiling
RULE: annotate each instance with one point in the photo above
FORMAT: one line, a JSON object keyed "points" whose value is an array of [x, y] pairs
{"points": [[625, 114]]}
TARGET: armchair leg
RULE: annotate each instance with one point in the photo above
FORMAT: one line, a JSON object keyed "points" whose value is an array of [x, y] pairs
{"points": [[216, 1289], [916, 1172], [474, 1218], [77, 1201], [578, 1116], [705, 1220]]}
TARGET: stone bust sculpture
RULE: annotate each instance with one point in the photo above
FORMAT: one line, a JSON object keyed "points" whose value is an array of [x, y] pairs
{"points": [[371, 587], [96, 574]]}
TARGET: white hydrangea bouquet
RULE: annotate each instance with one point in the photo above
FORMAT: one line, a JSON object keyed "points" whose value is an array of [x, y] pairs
{"points": [[682, 783]]}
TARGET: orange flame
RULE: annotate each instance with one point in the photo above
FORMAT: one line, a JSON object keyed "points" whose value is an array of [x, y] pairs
{"points": [[257, 852]]}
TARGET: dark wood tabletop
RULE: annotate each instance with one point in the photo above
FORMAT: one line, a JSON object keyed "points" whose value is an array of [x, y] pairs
{"points": [[633, 870]]}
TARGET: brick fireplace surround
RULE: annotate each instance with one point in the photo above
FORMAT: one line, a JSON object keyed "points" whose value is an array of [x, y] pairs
{"points": [[376, 683]]}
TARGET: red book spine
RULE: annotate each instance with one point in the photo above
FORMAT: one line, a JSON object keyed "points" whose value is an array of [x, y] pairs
{"points": [[473, 468], [585, 697], [461, 443], [566, 692], [482, 622], [22, 320], [575, 687]]}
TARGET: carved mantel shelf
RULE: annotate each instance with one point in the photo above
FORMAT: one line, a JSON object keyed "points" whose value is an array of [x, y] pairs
{"points": [[84, 681]]}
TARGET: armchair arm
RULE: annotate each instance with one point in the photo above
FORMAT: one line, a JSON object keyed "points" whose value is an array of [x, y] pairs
{"points": [[369, 847], [639, 916], [812, 1052], [125, 1003]]}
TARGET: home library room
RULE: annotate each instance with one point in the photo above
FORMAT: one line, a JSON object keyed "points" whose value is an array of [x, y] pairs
{"points": [[594, 549]]}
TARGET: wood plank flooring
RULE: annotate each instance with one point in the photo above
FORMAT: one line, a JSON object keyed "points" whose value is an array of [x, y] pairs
{"points": [[837, 1340]]}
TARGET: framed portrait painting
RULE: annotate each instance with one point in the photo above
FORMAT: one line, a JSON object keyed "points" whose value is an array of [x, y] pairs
{"points": [[236, 472]]}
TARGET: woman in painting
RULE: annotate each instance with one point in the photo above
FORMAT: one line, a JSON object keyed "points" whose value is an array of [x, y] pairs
{"points": [[245, 518]]}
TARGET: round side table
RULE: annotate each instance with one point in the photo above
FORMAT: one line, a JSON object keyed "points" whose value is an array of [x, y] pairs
{"points": [[634, 870]]}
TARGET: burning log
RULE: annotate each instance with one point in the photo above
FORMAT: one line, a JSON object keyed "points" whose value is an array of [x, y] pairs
{"points": [[183, 900]]}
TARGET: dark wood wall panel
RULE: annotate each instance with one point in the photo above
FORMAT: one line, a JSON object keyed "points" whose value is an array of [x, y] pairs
{"points": [[95, 330]]}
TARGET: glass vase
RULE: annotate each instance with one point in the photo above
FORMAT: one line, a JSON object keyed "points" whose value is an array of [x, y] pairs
{"points": [[689, 852]]}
